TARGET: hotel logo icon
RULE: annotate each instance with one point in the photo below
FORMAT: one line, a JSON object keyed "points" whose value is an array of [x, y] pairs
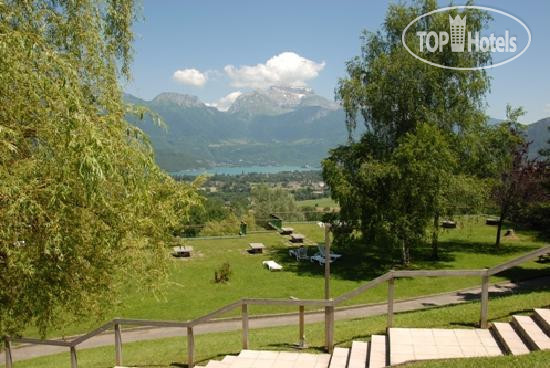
{"points": [[458, 33]]}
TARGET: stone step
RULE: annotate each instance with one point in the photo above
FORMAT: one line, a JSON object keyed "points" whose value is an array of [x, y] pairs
{"points": [[339, 358], [509, 339], [358, 354], [377, 351], [272, 359], [411, 344], [228, 359], [542, 316], [531, 333], [216, 364]]}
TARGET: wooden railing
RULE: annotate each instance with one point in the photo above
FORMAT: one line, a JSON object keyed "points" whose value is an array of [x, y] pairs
{"points": [[243, 303]]}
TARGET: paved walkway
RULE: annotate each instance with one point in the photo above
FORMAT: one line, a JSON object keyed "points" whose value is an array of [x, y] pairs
{"points": [[231, 324]]}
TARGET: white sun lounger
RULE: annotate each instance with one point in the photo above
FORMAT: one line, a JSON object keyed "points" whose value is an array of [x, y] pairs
{"points": [[272, 265], [333, 256], [319, 258], [299, 254]]}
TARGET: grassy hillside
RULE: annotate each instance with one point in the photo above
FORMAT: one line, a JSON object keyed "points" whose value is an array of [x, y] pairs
{"points": [[318, 203], [191, 291]]}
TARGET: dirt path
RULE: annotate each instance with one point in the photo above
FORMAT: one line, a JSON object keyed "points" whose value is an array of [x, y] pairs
{"points": [[231, 324]]}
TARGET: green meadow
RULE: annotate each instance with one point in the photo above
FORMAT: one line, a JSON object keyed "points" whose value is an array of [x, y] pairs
{"points": [[191, 291]]}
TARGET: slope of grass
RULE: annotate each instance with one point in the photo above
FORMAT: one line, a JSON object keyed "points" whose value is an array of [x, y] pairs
{"points": [[172, 351], [318, 203], [192, 292]]}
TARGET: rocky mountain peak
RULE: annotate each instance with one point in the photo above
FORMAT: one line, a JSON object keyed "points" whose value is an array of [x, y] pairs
{"points": [[277, 100], [178, 99]]}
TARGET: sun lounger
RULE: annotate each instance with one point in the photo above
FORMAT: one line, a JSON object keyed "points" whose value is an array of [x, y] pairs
{"points": [[299, 254], [333, 256], [272, 265], [319, 258]]}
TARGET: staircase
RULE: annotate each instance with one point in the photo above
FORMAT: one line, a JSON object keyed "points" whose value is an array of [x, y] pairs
{"points": [[400, 345]]}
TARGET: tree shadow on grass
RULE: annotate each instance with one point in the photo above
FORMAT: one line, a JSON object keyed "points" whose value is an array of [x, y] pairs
{"points": [[362, 261], [468, 246], [355, 264], [423, 258]]}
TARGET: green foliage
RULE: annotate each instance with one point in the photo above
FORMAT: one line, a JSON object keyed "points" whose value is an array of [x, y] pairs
{"points": [[267, 201], [229, 225], [535, 216], [392, 91], [82, 203], [520, 181], [422, 128], [222, 274]]}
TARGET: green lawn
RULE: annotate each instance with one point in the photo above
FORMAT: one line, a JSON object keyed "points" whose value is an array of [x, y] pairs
{"points": [[191, 291], [172, 351], [319, 203]]}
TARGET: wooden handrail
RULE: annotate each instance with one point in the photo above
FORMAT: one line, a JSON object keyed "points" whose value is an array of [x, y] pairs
{"points": [[292, 302], [524, 258], [93, 333], [364, 287], [149, 322], [217, 312], [432, 273], [30, 340], [329, 305]]}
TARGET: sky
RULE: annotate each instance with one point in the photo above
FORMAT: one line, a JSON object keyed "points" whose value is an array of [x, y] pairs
{"points": [[219, 49]]}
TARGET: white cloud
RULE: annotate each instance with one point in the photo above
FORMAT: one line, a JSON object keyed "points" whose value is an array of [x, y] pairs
{"points": [[547, 107], [190, 76], [224, 103], [285, 69]]}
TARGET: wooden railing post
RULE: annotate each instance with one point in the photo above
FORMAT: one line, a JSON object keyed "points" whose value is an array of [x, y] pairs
{"points": [[73, 357], [118, 345], [302, 337], [391, 284], [329, 328], [244, 316], [190, 348], [484, 300], [7, 352]]}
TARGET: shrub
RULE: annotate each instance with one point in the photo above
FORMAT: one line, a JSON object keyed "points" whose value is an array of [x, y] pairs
{"points": [[222, 274]]}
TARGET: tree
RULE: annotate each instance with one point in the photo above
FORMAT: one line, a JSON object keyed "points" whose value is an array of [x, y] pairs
{"points": [[395, 94], [82, 204], [266, 201], [520, 179], [425, 164]]}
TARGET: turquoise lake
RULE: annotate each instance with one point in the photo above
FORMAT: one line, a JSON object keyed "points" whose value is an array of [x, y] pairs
{"points": [[239, 170]]}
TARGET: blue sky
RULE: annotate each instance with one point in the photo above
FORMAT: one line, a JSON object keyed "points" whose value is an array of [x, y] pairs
{"points": [[219, 39]]}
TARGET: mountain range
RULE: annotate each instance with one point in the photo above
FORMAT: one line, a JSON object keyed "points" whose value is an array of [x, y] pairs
{"points": [[276, 126]]}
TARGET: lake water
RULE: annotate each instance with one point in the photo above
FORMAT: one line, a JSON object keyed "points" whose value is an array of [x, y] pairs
{"points": [[239, 170]]}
